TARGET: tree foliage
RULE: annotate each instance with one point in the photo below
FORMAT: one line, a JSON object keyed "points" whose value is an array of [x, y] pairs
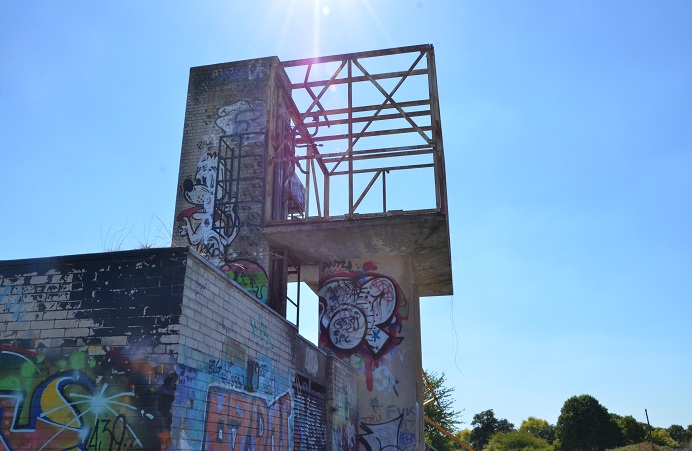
{"points": [[661, 437], [632, 430], [516, 441], [484, 426], [539, 428], [584, 424], [440, 411], [678, 433], [464, 435]]}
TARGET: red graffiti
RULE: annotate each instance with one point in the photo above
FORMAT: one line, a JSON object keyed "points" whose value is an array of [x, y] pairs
{"points": [[238, 420]]}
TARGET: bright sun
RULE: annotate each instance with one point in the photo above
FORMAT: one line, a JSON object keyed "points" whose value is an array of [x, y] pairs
{"points": [[303, 28]]}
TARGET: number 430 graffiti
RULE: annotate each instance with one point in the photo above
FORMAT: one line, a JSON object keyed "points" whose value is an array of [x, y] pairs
{"points": [[115, 429]]}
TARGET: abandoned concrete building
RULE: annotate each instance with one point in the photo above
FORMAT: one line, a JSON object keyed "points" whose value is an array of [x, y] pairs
{"points": [[323, 175]]}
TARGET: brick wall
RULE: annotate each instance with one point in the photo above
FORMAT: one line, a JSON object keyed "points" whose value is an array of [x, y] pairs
{"points": [[247, 379], [235, 365], [153, 348], [85, 342]]}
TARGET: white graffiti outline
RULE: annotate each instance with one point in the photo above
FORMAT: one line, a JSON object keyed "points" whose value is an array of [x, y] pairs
{"points": [[358, 310]]}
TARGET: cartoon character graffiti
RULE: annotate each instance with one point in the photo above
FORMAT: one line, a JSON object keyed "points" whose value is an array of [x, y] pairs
{"points": [[213, 222], [204, 225]]}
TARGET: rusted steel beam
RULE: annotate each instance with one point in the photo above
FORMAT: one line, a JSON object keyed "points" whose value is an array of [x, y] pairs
{"points": [[355, 120], [384, 155], [391, 100], [368, 54], [300, 120], [357, 79], [389, 97], [395, 131], [366, 190], [317, 191], [403, 150], [391, 168], [349, 150], [440, 176], [361, 109]]}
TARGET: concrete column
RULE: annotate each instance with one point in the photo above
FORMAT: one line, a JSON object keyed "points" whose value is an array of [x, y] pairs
{"points": [[369, 319], [235, 114]]}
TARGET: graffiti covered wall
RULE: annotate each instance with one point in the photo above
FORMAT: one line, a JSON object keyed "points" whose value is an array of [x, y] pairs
{"points": [[236, 368], [87, 350], [222, 187], [366, 320], [343, 399], [154, 349]]}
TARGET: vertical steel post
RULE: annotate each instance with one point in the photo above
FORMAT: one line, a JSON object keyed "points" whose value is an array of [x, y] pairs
{"points": [[350, 138], [384, 191], [435, 123], [651, 437]]}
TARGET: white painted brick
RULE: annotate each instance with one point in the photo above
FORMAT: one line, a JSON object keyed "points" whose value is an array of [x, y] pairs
{"points": [[51, 333], [114, 341], [77, 332]]}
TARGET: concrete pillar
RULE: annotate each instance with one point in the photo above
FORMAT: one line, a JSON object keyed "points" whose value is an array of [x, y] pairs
{"points": [[235, 113], [369, 317]]}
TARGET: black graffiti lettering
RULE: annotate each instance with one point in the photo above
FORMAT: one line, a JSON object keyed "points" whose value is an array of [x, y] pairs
{"points": [[215, 366], [349, 323], [118, 436], [115, 430]]}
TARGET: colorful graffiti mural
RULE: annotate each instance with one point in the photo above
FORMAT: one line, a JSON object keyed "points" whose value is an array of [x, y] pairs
{"points": [[250, 275], [245, 402], [82, 402], [363, 317], [358, 312], [221, 202], [237, 420], [345, 418]]}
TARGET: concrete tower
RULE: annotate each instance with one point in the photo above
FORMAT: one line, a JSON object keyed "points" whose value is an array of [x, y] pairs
{"points": [[328, 171]]}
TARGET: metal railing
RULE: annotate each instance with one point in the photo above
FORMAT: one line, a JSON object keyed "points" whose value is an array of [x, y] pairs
{"points": [[362, 125]]}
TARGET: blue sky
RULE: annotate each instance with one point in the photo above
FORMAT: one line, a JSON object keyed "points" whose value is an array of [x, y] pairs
{"points": [[568, 146]]}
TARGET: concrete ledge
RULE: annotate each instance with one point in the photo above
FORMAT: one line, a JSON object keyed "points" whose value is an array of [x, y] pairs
{"points": [[422, 235]]}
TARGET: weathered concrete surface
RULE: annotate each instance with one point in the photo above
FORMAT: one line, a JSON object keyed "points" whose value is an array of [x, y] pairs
{"points": [[422, 235]]}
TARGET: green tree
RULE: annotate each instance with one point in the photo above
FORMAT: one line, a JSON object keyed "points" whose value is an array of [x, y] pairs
{"points": [[484, 426], [464, 435], [440, 411], [585, 425], [662, 438], [539, 428], [633, 431], [678, 433], [516, 441]]}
